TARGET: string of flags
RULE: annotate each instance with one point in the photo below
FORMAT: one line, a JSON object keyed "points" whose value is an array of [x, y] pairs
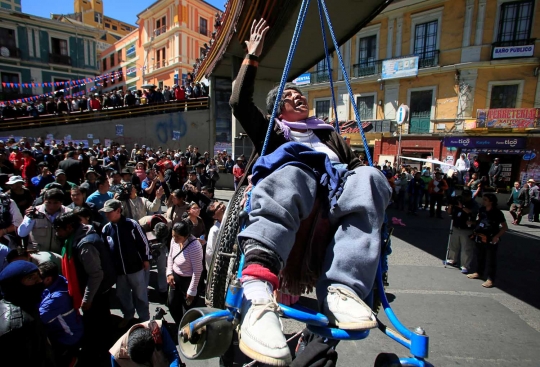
{"points": [[66, 84]]}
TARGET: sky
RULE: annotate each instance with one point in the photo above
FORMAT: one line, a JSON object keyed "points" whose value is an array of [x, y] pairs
{"points": [[124, 10]]}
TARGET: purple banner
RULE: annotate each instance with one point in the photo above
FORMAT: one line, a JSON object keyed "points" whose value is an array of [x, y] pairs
{"points": [[479, 142]]}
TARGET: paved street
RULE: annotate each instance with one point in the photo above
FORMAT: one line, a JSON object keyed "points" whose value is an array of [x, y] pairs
{"points": [[468, 324]]}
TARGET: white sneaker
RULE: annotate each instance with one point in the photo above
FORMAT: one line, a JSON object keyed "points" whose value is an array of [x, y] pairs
{"points": [[347, 311], [261, 334]]}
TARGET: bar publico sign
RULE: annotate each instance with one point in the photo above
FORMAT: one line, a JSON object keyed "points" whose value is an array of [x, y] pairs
{"points": [[513, 51], [515, 118]]}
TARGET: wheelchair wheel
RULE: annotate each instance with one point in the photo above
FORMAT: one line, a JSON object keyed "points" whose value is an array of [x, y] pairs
{"points": [[225, 260], [387, 360]]}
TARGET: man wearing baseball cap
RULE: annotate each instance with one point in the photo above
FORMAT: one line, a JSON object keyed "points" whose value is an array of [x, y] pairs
{"points": [[61, 178]]}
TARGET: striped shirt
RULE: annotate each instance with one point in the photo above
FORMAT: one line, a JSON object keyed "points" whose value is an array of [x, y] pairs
{"points": [[188, 264]]}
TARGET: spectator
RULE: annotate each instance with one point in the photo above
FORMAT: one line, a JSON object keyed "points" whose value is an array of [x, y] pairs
{"points": [[238, 171], [490, 226], [90, 184], [78, 197], [518, 201], [16, 158], [216, 210], [48, 158], [180, 93], [151, 183], [5, 164], [437, 188], [426, 177], [72, 168], [401, 189], [176, 207], [22, 332], [29, 168], [202, 176], [181, 170], [111, 160], [137, 207], [90, 272], [494, 173], [475, 185], [38, 221], [140, 171], [130, 253], [534, 194], [212, 172], [59, 315], [61, 179], [102, 194], [94, 164], [192, 186], [198, 228], [229, 165], [94, 104], [19, 194], [184, 268]]}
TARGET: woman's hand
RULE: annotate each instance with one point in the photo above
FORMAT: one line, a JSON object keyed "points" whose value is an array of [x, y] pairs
{"points": [[170, 280], [256, 39], [202, 242], [189, 300]]}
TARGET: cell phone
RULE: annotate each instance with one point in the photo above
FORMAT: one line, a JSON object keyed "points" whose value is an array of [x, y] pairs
{"points": [[202, 237]]}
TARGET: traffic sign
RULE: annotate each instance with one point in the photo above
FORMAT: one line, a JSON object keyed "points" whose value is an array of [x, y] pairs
{"points": [[402, 114]]}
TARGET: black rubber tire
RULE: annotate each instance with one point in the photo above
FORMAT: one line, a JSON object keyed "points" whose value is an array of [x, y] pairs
{"points": [[222, 269], [387, 360]]}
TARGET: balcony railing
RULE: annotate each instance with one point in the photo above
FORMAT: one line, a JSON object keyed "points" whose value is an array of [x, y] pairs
{"points": [[203, 31], [320, 76], [11, 52], [160, 30], [367, 68], [428, 59], [59, 59]]}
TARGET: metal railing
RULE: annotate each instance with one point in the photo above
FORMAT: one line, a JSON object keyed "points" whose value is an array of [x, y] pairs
{"points": [[105, 114], [13, 52], [160, 30], [59, 59], [320, 76], [367, 68], [428, 59]]}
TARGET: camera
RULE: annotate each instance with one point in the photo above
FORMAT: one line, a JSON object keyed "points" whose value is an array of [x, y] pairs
{"points": [[34, 214], [123, 191]]}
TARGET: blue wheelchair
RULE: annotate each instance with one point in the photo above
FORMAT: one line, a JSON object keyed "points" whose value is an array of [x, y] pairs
{"points": [[208, 332]]}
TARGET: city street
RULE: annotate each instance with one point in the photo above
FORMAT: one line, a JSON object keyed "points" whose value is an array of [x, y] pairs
{"points": [[468, 325]]}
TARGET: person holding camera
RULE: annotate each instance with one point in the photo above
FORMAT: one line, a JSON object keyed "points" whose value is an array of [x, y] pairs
{"points": [[184, 269], [131, 257], [490, 226], [463, 210], [38, 221], [136, 207], [151, 183]]}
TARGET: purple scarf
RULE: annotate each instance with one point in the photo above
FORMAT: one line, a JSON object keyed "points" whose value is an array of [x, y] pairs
{"points": [[311, 123]]}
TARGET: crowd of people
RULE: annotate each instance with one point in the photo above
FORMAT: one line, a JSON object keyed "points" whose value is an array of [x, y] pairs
{"points": [[77, 220], [66, 104]]}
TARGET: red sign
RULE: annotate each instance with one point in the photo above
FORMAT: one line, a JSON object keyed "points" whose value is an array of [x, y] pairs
{"points": [[516, 118]]}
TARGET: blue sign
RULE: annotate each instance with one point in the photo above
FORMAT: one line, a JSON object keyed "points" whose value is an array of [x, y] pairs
{"points": [[399, 68], [476, 142], [119, 130], [303, 79], [529, 156]]}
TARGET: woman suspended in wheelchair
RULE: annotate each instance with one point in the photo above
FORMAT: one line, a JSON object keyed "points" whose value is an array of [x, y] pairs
{"points": [[306, 160]]}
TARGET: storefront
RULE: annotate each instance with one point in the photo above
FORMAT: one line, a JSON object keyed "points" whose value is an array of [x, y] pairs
{"points": [[389, 148], [510, 150]]}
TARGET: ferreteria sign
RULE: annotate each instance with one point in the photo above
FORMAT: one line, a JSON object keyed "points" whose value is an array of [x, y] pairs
{"points": [[491, 142], [515, 118], [513, 51]]}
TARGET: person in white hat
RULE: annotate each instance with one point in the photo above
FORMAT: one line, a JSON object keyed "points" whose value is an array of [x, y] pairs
{"points": [[19, 194]]}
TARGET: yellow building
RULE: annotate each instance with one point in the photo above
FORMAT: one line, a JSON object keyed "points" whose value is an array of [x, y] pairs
{"points": [[472, 55], [90, 13]]}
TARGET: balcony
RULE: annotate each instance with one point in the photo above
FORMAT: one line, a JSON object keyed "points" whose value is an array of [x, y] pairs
{"points": [[59, 59], [428, 59], [10, 52], [320, 76], [513, 49], [203, 31], [160, 30], [367, 68]]}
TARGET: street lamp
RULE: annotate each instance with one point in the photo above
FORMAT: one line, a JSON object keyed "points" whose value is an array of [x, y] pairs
{"points": [[242, 136]]}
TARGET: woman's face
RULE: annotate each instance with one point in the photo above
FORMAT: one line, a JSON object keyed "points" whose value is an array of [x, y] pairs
{"points": [[295, 106], [178, 238], [177, 201], [194, 210]]}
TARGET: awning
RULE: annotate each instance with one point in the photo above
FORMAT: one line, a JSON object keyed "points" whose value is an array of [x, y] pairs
{"points": [[497, 151]]}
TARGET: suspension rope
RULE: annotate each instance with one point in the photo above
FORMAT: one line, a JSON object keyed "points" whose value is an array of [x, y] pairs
{"points": [[323, 30], [292, 50], [347, 83]]}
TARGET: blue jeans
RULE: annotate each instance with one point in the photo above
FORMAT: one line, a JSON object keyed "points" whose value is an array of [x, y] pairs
{"points": [[132, 288]]}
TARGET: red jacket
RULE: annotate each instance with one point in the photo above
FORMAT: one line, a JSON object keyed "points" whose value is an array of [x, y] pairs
{"points": [[179, 94], [29, 169], [238, 172], [95, 104]]}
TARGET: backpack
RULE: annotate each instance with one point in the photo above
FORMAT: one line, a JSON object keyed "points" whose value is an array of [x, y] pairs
{"points": [[107, 264], [6, 218]]}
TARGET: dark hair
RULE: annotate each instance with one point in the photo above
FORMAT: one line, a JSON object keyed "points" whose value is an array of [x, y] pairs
{"points": [[179, 194], [82, 211], [183, 228], [492, 198], [272, 96], [208, 188], [71, 154], [141, 345], [101, 180], [54, 194], [210, 209], [48, 269], [66, 219]]}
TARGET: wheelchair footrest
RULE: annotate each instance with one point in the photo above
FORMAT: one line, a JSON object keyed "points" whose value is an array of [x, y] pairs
{"points": [[338, 334]]}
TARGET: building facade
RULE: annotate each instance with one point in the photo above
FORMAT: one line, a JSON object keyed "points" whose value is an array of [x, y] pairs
{"points": [[35, 50], [471, 57], [11, 5], [90, 13], [125, 59]]}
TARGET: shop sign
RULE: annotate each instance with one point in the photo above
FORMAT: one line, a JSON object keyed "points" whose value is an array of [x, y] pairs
{"points": [[495, 151], [399, 68], [515, 118], [513, 51], [491, 142], [303, 79]]}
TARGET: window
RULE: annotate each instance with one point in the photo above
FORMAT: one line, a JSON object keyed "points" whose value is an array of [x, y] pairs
{"points": [[98, 17], [120, 75], [367, 54], [160, 58], [425, 43], [322, 108], [5, 6], [515, 22], [115, 28], [104, 64], [504, 96], [119, 56], [59, 46], [421, 106], [366, 107], [203, 26], [7, 40], [111, 60], [10, 78], [107, 25], [161, 26], [321, 73]]}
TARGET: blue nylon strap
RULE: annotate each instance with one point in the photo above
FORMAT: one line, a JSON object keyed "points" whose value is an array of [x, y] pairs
{"points": [[323, 30], [347, 83], [292, 49]]}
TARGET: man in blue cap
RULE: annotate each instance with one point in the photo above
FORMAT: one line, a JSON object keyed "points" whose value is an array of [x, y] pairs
{"points": [[21, 330]]}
